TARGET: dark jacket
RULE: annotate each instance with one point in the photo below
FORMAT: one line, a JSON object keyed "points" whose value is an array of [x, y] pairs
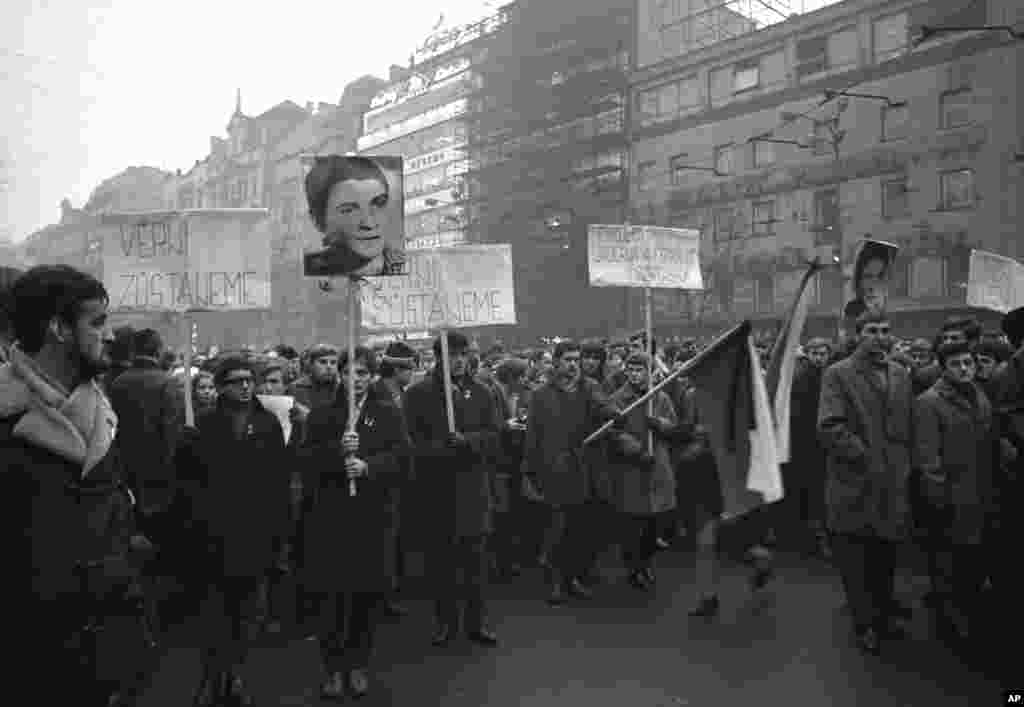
{"points": [[454, 488], [807, 456], [150, 407], [644, 486], [867, 434], [238, 491], [313, 395], [348, 540], [955, 444]]}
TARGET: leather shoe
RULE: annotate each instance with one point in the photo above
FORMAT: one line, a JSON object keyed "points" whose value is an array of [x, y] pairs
{"points": [[648, 573], [442, 636], [333, 688], [483, 636], [577, 589], [394, 610], [706, 607], [358, 682], [869, 641], [638, 580], [557, 595]]}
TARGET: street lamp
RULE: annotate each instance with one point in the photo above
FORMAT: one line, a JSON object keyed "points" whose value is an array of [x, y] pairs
{"points": [[831, 94]]}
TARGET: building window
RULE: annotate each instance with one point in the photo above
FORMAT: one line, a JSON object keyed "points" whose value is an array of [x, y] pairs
{"points": [[826, 217], [764, 153], [645, 175], [895, 122], [955, 108], [833, 52], [889, 37], [763, 218], [822, 143], [899, 277], [928, 277], [670, 101], [765, 294], [746, 75], [895, 199], [956, 189], [725, 224], [724, 158], [677, 168]]}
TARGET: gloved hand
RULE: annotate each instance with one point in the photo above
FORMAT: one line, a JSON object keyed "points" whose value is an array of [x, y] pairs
{"points": [[660, 425]]}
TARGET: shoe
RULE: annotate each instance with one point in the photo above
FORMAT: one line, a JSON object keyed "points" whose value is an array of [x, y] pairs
{"points": [[334, 688], [394, 610], [706, 607], [442, 636], [869, 641], [638, 580], [662, 544], [761, 577], [557, 595], [578, 590], [483, 636], [205, 695], [358, 682], [648, 573]]}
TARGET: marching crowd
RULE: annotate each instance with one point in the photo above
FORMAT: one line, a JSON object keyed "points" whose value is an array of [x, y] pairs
{"points": [[118, 506]]}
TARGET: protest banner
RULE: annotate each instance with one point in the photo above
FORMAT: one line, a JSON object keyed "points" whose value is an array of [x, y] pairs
{"points": [[446, 288], [203, 260], [995, 282], [644, 256]]}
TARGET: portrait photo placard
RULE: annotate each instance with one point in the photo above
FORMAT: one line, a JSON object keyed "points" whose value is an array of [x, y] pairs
{"points": [[356, 203]]}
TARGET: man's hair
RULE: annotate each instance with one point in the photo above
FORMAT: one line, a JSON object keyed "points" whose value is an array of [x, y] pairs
{"points": [[638, 359], [45, 292], [397, 355], [510, 370], [998, 350], [870, 316], [641, 337], [123, 348], [947, 351], [320, 350], [147, 342], [230, 364], [563, 347], [457, 341], [922, 346], [270, 365], [363, 355], [967, 324], [286, 352], [818, 343], [333, 169], [593, 348]]}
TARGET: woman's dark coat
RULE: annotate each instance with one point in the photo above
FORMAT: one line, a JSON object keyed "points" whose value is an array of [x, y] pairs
{"points": [[348, 540], [454, 489], [238, 492]]}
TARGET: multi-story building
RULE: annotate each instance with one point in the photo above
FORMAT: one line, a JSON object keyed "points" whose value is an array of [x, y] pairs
{"points": [[801, 138], [420, 115], [548, 150]]}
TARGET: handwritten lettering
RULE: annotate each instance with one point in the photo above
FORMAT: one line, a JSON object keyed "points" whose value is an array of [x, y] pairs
{"points": [[426, 310], [144, 289], [157, 239]]}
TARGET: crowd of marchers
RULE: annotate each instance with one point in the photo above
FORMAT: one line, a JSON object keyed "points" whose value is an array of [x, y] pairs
{"points": [[118, 507]]}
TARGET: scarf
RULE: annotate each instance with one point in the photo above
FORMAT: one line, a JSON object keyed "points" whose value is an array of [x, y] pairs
{"points": [[79, 426]]}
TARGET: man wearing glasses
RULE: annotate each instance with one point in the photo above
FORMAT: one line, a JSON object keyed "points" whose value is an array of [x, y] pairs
{"points": [[234, 470], [865, 421]]}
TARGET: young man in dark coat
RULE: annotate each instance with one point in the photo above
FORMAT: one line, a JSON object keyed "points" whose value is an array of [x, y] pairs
{"points": [[454, 477], [68, 516], [320, 385], [349, 537], [234, 469]]}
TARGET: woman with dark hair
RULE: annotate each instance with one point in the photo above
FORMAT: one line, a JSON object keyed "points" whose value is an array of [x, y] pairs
{"points": [[347, 198], [204, 393]]}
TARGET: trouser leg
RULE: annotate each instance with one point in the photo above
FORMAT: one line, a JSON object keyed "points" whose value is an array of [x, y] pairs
{"points": [[226, 639], [473, 551], [851, 558], [442, 568], [881, 572], [362, 621], [331, 631]]}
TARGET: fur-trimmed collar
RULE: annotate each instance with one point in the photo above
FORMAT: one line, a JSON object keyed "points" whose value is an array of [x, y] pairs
{"points": [[79, 426]]}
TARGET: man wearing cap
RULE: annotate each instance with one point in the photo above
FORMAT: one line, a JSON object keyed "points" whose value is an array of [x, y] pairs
{"points": [[233, 469]]}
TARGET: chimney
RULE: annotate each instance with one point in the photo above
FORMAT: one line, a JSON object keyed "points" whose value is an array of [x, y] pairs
{"points": [[322, 107], [309, 107]]}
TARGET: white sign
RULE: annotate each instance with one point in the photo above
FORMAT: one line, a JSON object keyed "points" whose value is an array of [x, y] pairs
{"points": [[417, 84], [466, 286], [995, 282], [449, 39], [413, 124], [193, 260], [440, 239], [644, 256], [435, 158]]}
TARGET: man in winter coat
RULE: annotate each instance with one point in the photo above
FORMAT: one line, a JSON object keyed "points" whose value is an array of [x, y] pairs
{"points": [[954, 463], [454, 480], [319, 387], [234, 469], [866, 425], [68, 514], [562, 413], [349, 539]]}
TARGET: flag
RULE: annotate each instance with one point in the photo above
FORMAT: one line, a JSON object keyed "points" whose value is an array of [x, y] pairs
{"points": [[734, 408], [782, 364]]}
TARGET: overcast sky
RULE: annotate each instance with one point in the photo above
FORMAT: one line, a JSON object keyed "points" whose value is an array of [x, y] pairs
{"points": [[90, 88]]}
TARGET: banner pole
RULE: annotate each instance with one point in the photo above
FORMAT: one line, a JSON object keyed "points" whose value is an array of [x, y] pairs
{"points": [[446, 373], [685, 368], [353, 312], [649, 345], [190, 413]]}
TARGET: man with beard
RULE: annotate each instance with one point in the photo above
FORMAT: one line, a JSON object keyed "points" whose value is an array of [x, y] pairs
{"points": [[562, 413], [318, 388], [454, 473], [866, 423], [68, 514], [234, 470]]}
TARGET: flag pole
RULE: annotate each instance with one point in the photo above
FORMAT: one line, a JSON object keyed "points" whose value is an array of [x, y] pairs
{"points": [[353, 312], [685, 368], [649, 341], [190, 413], [446, 372]]}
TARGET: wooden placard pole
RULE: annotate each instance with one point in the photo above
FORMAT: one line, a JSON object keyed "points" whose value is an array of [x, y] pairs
{"points": [[353, 313], [446, 373], [649, 345], [190, 413]]}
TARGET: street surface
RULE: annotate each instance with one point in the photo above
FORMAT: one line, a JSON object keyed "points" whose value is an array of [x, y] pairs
{"points": [[788, 645]]}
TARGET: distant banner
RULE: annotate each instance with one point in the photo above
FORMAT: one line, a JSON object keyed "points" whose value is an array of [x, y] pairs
{"points": [[176, 261], [644, 256], [452, 288], [995, 282]]}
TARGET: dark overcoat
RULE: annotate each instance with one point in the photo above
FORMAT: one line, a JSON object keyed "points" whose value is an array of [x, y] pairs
{"points": [[644, 488], [454, 489], [955, 442], [238, 492], [866, 430], [348, 540]]}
